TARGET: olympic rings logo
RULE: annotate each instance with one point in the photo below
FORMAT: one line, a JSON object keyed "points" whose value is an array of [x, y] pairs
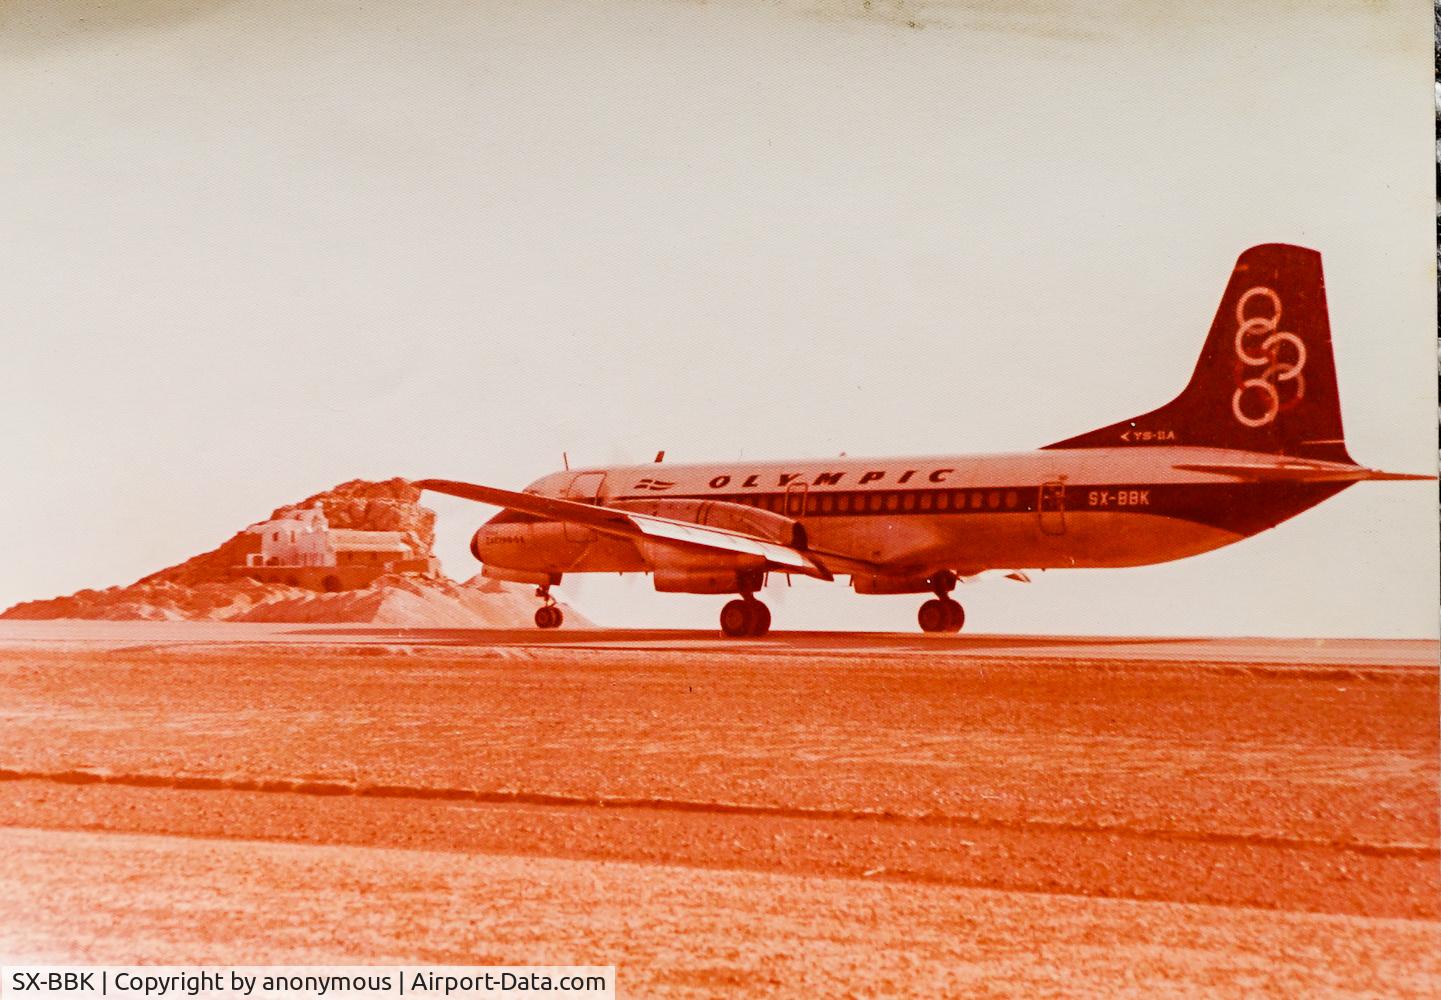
{"points": [[1265, 353]]}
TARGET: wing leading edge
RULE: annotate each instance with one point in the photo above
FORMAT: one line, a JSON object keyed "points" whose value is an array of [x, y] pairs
{"points": [[628, 524]]}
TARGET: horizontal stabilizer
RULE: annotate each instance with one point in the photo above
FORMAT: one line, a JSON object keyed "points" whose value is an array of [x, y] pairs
{"points": [[1296, 472]]}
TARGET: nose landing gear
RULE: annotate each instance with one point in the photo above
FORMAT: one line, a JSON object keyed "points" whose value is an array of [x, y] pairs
{"points": [[745, 617], [942, 614], [548, 615]]}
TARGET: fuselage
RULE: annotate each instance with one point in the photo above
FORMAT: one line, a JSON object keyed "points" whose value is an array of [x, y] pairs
{"points": [[908, 517]]}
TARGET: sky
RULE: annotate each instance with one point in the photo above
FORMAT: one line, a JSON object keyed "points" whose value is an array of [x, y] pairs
{"points": [[253, 249]]}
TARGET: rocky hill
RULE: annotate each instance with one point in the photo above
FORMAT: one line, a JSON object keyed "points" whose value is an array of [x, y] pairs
{"points": [[206, 588], [391, 505]]}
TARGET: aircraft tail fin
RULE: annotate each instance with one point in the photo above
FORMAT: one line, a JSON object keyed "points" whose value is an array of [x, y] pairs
{"points": [[1266, 380]]}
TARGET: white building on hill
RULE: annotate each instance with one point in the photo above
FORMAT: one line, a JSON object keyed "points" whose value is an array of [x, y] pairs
{"points": [[302, 549], [302, 539]]}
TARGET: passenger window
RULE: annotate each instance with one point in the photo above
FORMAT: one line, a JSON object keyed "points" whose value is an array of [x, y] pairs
{"points": [[908, 502], [977, 499], [827, 502], [843, 502], [943, 501], [875, 503], [925, 501], [892, 502], [1011, 498], [994, 500], [810, 505]]}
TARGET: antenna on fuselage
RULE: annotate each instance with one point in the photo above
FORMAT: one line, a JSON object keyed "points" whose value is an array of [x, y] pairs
{"points": [[660, 456], [565, 459]]}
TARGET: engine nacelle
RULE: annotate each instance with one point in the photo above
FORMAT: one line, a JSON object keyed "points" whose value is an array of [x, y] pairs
{"points": [[726, 516], [869, 584], [527, 549], [708, 581]]}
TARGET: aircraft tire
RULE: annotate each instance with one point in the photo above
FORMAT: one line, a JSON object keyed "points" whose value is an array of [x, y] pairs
{"points": [[760, 619], [932, 616], [955, 616], [736, 619], [549, 617]]}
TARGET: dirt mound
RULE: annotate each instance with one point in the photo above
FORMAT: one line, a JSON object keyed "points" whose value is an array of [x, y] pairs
{"points": [[206, 587], [157, 602], [412, 601]]}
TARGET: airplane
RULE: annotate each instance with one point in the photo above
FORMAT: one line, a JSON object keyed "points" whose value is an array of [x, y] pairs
{"points": [[1254, 439]]}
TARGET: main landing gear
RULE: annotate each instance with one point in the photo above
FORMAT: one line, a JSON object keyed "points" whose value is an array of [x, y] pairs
{"points": [[548, 615], [745, 617], [942, 614]]}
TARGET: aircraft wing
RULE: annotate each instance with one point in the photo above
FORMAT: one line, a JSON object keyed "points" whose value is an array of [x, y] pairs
{"points": [[1296, 472], [629, 524]]}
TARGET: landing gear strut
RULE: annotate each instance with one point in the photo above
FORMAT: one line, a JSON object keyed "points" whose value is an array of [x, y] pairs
{"points": [[745, 617], [548, 615], [942, 614]]}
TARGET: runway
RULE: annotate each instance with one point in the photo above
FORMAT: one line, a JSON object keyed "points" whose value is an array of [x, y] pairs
{"points": [[1388, 653], [805, 814]]}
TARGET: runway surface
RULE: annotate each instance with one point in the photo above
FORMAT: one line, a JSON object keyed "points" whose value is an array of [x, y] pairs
{"points": [[1414, 653], [806, 814]]}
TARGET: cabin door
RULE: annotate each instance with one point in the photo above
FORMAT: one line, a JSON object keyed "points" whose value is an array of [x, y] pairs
{"points": [[584, 488], [1051, 508], [796, 500]]}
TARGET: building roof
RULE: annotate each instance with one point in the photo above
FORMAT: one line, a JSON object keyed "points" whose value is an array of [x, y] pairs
{"points": [[351, 540], [306, 518]]}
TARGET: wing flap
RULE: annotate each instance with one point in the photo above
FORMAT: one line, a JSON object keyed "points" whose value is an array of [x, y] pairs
{"points": [[634, 525]]}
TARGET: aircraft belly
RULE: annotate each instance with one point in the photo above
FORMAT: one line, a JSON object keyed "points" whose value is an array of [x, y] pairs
{"points": [[618, 555], [1016, 540], [881, 539], [1114, 539]]}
